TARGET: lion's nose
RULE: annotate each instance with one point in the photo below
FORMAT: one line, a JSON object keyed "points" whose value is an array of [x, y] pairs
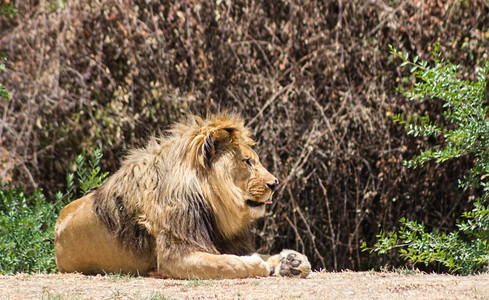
{"points": [[273, 184]]}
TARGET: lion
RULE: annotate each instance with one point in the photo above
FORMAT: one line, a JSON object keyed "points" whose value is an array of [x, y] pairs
{"points": [[182, 207]]}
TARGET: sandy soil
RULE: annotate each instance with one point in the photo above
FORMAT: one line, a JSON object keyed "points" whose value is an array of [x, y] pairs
{"points": [[320, 285]]}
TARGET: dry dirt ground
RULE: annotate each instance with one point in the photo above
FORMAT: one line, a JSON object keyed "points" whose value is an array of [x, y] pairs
{"points": [[320, 285]]}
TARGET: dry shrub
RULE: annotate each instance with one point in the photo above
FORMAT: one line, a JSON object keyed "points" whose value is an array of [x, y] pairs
{"points": [[313, 78]]}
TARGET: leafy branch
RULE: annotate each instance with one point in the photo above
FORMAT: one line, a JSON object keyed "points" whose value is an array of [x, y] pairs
{"points": [[88, 176], [466, 249]]}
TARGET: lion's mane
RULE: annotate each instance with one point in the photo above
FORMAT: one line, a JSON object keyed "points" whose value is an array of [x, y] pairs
{"points": [[172, 192]]}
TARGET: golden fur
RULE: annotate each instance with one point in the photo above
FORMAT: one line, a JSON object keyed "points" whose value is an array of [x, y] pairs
{"points": [[181, 207]]}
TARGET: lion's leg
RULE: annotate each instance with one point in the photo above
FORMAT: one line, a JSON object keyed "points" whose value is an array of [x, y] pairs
{"points": [[289, 263], [213, 266]]}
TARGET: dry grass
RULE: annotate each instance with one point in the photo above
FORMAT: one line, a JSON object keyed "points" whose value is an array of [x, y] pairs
{"points": [[320, 285]]}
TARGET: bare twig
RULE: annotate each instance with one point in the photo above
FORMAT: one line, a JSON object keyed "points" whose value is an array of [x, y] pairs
{"points": [[190, 47], [386, 19], [330, 223], [311, 235], [297, 235], [270, 101]]}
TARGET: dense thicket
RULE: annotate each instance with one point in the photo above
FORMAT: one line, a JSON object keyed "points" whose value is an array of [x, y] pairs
{"points": [[314, 79]]}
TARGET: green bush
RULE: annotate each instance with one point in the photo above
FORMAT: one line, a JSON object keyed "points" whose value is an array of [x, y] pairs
{"points": [[27, 223], [26, 226], [464, 133]]}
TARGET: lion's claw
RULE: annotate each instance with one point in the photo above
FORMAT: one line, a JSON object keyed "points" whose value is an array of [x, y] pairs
{"points": [[290, 263]]}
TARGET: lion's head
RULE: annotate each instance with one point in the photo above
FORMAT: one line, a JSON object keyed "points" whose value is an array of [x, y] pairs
{"points": [[200, 185]]}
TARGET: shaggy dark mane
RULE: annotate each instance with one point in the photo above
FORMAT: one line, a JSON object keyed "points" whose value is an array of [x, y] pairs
{"points": [[200, 234], [162, 194]]}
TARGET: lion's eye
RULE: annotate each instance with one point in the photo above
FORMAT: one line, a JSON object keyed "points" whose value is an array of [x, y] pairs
{"points": [[247, 161]]}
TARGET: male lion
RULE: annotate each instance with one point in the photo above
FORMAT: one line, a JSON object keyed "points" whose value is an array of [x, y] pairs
{"points": [[181, 208]]}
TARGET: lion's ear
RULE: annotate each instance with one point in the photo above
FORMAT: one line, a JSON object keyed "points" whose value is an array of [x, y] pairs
{"points": [[213, 141]]}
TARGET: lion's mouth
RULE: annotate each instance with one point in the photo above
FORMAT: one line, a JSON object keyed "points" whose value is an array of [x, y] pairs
{"points": [[252, 203]]}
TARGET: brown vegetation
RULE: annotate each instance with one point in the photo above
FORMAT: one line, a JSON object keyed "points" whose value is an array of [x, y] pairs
{"points": [[313, 78]]}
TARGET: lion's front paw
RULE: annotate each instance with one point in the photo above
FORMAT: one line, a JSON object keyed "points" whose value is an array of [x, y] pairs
{"points": [[289, 263]]}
